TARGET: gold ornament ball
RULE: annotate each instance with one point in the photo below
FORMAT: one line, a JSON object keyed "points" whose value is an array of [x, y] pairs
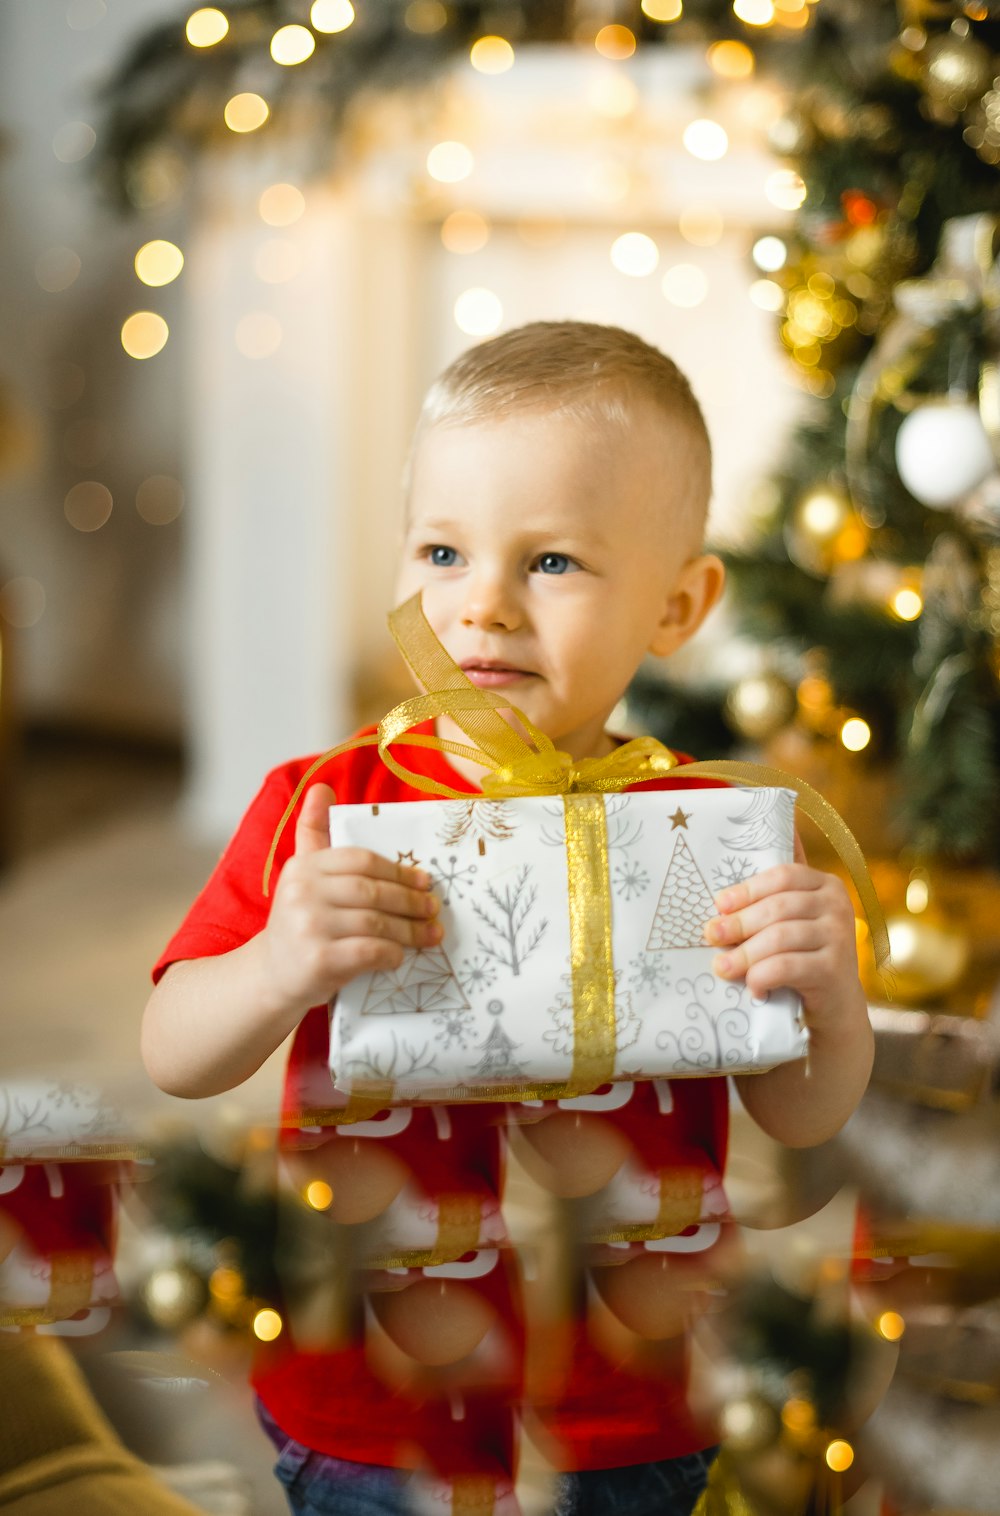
{"points": [[927, 957], [749, 1425], [957, 69], [824, 530], [760, 706], [173, 1296]]}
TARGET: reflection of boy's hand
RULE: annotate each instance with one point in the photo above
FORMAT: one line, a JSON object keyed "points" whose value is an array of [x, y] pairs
{"points": [[340, 912], [790, 927]]}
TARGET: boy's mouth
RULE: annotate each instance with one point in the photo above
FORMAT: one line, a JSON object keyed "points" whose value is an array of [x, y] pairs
{"points": [[488, 673]]}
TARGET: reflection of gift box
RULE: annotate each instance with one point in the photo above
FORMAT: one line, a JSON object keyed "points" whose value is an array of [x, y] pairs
{"points": [[573, 951]]}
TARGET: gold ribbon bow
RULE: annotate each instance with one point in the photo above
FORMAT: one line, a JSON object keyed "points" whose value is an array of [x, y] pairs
{"points": [[515, 768]]}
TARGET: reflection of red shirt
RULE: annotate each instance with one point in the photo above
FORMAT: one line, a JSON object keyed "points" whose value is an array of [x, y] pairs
{"points": [[332, 1401]]}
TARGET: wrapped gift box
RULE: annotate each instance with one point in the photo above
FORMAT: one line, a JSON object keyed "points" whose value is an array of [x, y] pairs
{"points": [[493, 1011]]}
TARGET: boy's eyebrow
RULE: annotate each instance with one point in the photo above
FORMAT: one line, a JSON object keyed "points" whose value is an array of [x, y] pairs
{"points": [[539, 528]]}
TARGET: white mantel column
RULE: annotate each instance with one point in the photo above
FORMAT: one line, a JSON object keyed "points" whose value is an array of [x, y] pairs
{"points": [[276, 481]]}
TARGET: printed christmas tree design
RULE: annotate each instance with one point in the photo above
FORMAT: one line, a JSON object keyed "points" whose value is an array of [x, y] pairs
{"points": [[767, 822], [496, 1062], [424, 981], [684, 906]]}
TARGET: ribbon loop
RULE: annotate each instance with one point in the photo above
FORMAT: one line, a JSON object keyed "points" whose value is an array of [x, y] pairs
{"points": [[515, 768]]}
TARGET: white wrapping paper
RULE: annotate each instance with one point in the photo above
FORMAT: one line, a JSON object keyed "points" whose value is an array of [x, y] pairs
{"points": [[491, 1007]]}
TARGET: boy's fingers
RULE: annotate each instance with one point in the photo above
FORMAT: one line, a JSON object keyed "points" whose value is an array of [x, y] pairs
{"points": [[777, 880], [357, 860], [361, 891], [785, 937], [312, 830], [380, 926], [734, 926]]}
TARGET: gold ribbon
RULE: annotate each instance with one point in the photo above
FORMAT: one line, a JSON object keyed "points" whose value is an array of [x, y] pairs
{"points": [[516, 769]]}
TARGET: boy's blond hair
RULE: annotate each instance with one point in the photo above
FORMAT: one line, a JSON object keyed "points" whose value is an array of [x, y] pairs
{"points": [[580, 369]]}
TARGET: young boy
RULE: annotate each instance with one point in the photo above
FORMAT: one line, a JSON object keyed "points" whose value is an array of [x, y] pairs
{"points": [[557, 494]]}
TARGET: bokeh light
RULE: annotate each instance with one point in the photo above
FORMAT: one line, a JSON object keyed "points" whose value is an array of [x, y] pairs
{"points": [[685, 285], [449, 162], [319, 1195], [918, 898], [662, 10], [292, 44], [478, 312], [891, 1326], [88, 505], [158, 262], [706, 139], [907, 603], [206, 27], [754, 12], [73, 141], [144, 334], [425, 17], [246, 112], [281, 204], [57, 268], [267, 1325], [855, 734], [769, 254], [491, 55], [22, 601], [839, 1455], [465, 232], [731, 59], [331, 15], [635, 254], [786, 189], [258, 334], [615, 42], [767, 295], [701, 225], [159, 499]]}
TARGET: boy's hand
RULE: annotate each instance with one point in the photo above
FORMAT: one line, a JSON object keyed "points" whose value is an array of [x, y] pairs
{"points": [[790, 927], [340, 912]]}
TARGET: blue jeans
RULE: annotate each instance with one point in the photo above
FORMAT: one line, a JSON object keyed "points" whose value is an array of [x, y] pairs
{"points": [[318, 1485]]}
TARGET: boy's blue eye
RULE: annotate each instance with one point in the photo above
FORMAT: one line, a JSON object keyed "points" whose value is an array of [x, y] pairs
{"points": [[554, 563], [442, 557]]}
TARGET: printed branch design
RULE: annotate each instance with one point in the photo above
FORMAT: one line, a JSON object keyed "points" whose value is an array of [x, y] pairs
{"points": [[513, 908], [479, 819]]}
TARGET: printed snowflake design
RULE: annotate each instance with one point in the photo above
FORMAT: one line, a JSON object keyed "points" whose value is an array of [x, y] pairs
{"points": [[476, 973], [648, 974], [452, 879], [629, 880], [731, 870], [455, 1027]]}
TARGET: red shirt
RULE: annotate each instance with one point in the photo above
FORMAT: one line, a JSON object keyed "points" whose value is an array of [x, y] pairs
{"points": [[332, 1401]]}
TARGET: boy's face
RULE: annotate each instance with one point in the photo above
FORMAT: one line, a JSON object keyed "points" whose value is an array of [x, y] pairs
{"points": [[551, 558]]}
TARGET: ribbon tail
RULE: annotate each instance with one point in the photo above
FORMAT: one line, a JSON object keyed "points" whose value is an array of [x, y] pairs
{"points": [[435, 670]]}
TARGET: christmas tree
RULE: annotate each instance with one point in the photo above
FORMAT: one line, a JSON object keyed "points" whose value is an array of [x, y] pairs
{"points": [[684, 906]]}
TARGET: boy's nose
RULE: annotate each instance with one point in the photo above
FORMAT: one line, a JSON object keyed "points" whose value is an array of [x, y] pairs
{"points": [[490, 603]]}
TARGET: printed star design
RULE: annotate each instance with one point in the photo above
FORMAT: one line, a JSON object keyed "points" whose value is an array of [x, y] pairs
{"points": [[679, 818], [408, 858]]}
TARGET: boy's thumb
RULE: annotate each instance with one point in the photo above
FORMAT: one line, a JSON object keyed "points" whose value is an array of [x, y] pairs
{"points": [[312, 830]]}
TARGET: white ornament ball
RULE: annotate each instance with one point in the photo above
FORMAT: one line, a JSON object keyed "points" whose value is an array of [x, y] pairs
{"points": [[943, 452]]}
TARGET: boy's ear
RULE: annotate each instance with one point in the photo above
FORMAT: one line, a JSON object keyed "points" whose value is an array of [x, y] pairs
{"points": [[695, 591]]}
